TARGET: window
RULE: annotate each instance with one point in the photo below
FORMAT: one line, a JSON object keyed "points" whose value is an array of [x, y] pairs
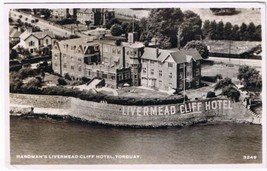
{"points": [[160, 73], [64, 65], [170, 75], [170, 65], [46, 41], [127, 52], [170, 84], [31, 50], [79, 59], [80, 68], [119, 77], [31, 43], [118, 51], [135, 52], [89, 72], [151, 62], [152, 72], [114, 51], [55, 64], [104, 76], [160, 82], [72, 67], [144, 70]]}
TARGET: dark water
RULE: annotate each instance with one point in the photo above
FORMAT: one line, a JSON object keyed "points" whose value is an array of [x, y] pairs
{"points": [[202, 144]]}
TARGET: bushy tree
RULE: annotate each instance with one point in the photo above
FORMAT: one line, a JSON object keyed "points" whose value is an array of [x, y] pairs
{"points": [[231, 92], [223, 83], [211, 94], [200, 46], [112, 21], [116, 30], [26, 72], [250, 77], [61, 81], [191, 27], [32, 86]]}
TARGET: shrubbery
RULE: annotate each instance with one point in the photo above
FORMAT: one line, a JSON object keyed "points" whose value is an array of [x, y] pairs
{"points": [[97, 97], [209, 78]]}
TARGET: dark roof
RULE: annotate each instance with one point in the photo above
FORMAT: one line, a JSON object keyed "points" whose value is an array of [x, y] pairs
{"points": [[179, 56], [184, 55]]}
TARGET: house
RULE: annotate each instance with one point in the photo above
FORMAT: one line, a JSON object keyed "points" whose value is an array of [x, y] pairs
{"points": [[71, 56], [35, 41], [107, 58], [63, 13], [97, 16], [169, 69], [89, 14]]}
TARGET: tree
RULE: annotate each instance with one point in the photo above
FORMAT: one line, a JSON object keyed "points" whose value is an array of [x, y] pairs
{"points": [[243, 32], [223, 83], [249, 77], [26, 72], [61, 81], [251, 30], [32, 86], [213, 28], [227, 31], [258, 33], [88, 22], [211, 94], [111, 22], [200, 46], [116, 30], [191, 27], [15, 82], [223, 11], [235, 32], [164, 23], [206, 29], [231, 92], [220, 31], [13, 54]]}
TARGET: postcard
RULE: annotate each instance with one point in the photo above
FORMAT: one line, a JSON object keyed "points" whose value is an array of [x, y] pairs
{"points": [[130, 84]]}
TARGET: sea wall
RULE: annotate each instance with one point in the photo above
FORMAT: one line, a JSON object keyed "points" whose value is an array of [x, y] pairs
{"points": [[212, 110]]}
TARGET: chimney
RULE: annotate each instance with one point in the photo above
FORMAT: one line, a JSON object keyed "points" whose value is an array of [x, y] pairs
{"points": [[29, 30], [131, 37], [157, 52]]}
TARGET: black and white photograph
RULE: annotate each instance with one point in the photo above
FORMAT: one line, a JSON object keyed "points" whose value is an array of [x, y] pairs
{"points": [[180, 84]]}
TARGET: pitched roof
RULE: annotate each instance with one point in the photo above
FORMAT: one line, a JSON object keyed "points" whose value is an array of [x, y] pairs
{"points": [[179, 56], [78, 42], [43, 34], [185, 55], [25, 35], [38, 35]]}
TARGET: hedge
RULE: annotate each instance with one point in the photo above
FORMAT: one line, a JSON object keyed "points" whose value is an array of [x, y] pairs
{"points": [[98, 97]]}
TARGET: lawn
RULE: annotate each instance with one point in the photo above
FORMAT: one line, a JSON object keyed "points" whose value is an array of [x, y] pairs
{"points": [[225, 71], [140, 92]]}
